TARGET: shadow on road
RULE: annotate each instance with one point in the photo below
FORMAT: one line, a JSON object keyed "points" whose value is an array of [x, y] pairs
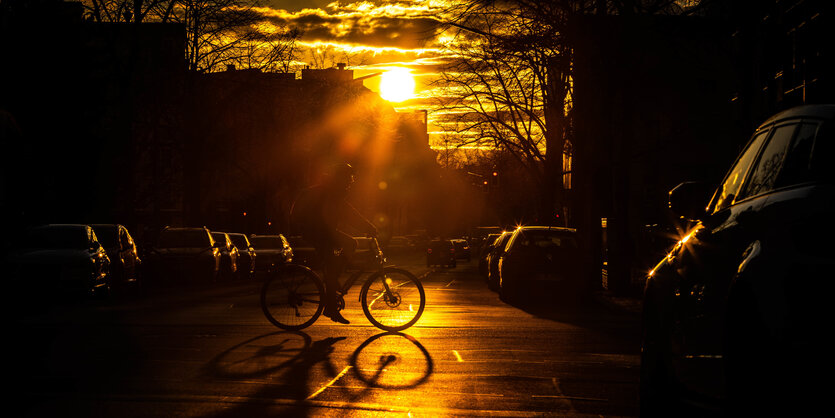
{"points": [[406, 360], [284, 361]]}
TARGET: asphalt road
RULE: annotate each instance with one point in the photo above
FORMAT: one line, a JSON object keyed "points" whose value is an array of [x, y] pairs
{"points": [[209, 352]]}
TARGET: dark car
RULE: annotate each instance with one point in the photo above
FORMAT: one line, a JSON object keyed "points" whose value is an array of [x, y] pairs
{"points": [[304, 253], [272, 250], [121, 250], [543, 261], [368, 255], [492, 259], [59, 259], [246, 255], [440, 252], [182, 255], [228, 255], [483, 251], [462, 249], [399, 245], [736, 316]]}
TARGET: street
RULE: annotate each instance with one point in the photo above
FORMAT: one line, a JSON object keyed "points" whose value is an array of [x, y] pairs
{"points": [[210, 352]]}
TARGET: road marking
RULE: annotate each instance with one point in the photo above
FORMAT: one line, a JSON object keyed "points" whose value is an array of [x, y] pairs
{"points": [[447, 285], [458, 356], [322, 389]]}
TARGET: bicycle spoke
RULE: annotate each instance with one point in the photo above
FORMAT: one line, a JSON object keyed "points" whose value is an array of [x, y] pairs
{"points": [[292, 298], [394, 300]]}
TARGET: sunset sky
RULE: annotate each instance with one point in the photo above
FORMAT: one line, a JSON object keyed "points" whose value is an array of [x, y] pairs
{"points": [[371, 36]]}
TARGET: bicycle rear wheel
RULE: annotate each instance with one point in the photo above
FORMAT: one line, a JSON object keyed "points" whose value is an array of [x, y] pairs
{"points": [[393, 299], [292, 298]]}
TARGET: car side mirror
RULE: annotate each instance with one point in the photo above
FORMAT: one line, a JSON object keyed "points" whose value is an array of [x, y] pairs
{"points": [[688, 200]]}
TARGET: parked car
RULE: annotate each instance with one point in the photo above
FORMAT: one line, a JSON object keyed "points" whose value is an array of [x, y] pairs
{"points": [[183, 255], [228, 255], [368, 255], [736, 315], [543, 261], [492, 260], [59, 259], [440, 252], [121, 250], [246, 255], [462, 249], [304, 253], [484, 251], [399, 245], [272, 250]]}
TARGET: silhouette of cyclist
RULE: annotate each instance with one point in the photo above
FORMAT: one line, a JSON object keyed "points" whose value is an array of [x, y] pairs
{"points": [[318, 213]]}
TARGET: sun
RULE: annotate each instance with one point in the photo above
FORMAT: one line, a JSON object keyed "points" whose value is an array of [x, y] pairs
{"points": [[397, 85]]}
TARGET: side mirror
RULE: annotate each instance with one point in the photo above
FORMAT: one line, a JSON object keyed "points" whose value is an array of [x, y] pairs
{"points": [[688, 200]]}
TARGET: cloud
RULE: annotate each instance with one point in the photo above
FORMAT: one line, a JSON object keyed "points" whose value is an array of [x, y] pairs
{"points": [[386, 24]]}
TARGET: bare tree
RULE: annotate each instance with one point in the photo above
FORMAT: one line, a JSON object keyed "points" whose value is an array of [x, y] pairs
{"points": [[327, 56], [509, 83], [218, 32], [136, 11], [271, 52]]}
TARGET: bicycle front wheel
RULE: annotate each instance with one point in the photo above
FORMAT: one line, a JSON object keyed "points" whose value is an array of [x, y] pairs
{"points": [[292, 298], [393, 299]]}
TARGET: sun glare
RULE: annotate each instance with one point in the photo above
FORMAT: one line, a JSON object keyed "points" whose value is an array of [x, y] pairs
{"points": [[397, 85]]}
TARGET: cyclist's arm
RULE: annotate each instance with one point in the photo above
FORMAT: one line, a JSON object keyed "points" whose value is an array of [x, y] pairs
{"points": [[358, 221]]}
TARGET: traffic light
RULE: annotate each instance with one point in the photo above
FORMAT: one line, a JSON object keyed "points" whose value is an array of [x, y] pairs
{"points": [[494, 179]]}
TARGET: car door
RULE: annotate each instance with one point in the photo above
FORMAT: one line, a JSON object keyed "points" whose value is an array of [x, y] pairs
{"points": [[127, 253], [705, 263]]}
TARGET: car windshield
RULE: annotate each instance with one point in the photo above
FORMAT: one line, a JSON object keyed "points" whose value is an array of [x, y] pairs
{"points": [[546, 240], [184, 239], [267, 243], [57, 238], [107, 235], [240, 241], [219, 237]]}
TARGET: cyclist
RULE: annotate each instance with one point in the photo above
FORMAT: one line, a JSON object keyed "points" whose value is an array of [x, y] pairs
{"points": [[318, 213]]}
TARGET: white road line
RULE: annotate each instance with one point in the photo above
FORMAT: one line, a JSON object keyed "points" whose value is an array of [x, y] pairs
{"points": [[458, 356], [322, 389]]}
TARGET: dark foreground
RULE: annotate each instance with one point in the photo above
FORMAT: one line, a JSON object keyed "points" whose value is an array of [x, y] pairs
{"points": [[209, 352]]}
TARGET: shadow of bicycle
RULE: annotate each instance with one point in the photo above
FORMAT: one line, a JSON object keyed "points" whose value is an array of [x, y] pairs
{"points": [[282, 364], [392, 360]]}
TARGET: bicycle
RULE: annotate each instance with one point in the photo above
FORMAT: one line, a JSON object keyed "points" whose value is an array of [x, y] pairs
{"points": [[293, 297]]}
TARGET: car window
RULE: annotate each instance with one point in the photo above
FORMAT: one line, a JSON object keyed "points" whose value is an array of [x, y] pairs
{"points": [[823, 154], [796, 167], [730, 186], [267, 243], [106, 235], [239, 241], [184, 239], [57, 238], [770, 163]]}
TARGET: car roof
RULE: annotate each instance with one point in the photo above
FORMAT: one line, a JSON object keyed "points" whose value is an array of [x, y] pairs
{"points": [[813, 111], [62, 226], [547, 228]]}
